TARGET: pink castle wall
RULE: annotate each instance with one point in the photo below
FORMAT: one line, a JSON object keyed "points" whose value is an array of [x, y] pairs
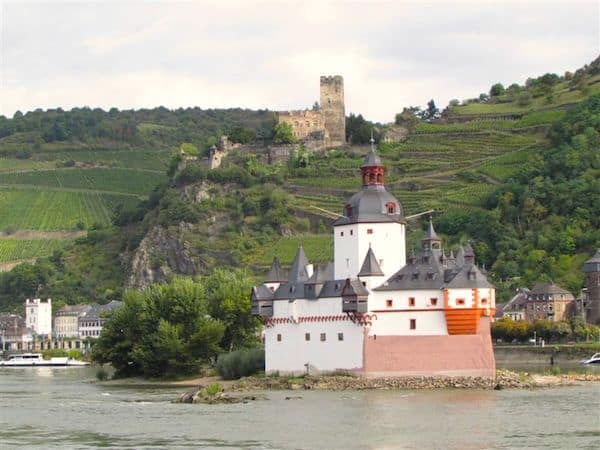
{"points": [[459, 355]]}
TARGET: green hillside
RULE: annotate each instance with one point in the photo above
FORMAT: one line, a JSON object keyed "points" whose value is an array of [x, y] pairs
{"points": [[489, 175], [72, 170]]}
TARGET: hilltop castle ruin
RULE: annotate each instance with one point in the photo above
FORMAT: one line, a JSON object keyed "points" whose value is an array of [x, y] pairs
{"points": [[325, 125]]}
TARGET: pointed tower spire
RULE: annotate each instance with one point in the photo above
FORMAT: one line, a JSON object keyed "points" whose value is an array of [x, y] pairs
{"points": [[430, 239], [298, 271], [276, 274], [370, 266]]}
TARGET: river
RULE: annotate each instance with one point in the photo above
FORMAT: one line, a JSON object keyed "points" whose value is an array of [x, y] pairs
{"points": [[43, 408]]}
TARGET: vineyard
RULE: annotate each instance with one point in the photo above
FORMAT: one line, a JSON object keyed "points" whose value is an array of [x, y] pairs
{"points": [[23, 249], [30, 209], [126, 181]]}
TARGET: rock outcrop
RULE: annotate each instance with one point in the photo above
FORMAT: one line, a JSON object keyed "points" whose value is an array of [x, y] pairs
{"points": [[161, 254]]}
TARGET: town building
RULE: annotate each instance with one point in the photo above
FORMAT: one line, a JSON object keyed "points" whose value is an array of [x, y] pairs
{"points": [[592, 282], [372, 311], [516, 307], [91, 324], [66, 320], [14, 335], [549, 302], [38, 316]]}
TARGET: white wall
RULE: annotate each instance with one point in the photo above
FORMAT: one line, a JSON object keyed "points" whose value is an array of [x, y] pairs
{"points": [[293, 351], [387, 241], [38, 315]]}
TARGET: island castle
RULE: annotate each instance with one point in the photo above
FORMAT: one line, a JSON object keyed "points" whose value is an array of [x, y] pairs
{"points": [[373, 311], [325, 124]]}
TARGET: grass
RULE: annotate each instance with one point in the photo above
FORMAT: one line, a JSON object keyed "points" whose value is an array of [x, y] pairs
{"points": [[318, 248], [31, 209]]}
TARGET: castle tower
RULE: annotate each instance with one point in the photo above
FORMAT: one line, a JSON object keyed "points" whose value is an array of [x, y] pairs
{"points": [[373, 221], [332, 108], [592, 281]]}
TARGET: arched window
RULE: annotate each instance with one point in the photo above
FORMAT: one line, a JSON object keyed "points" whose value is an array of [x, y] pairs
{"points": [[371, 177], [380, 178], [366, 179]]}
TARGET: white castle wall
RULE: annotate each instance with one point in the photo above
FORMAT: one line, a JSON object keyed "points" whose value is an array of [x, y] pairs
{"points": [[386, 240], [38, 315], [293, 351]]}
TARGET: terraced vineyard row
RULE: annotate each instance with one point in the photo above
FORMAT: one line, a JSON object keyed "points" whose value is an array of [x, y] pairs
{"points": [[30, 209], [19, 249], [126, 181], [134, 159]]}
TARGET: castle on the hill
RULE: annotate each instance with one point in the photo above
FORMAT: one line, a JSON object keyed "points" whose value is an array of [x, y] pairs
{"points": [[325, 124], [372, 310]]}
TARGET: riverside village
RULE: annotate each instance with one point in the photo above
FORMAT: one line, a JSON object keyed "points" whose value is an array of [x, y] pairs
{"points": [[306, 259]]}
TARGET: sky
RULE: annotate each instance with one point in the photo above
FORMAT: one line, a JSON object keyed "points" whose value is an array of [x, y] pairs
{"points": [[270, 54]]}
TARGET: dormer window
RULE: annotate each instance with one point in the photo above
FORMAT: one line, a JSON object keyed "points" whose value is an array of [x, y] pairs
{"points": [[415, 276], [429, 276], [348, 210], [391, 207], [471, 276]]}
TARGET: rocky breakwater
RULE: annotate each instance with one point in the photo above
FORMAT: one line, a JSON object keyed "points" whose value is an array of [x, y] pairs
{"points": [[214, 394]]}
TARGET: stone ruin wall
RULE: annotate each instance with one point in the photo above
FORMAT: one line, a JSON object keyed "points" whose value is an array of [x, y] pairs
{"points": [[304, 123], [333, 109], [323, 127]]}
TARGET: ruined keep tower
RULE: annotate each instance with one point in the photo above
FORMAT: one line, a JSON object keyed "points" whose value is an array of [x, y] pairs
{"points": [[332, 108]]}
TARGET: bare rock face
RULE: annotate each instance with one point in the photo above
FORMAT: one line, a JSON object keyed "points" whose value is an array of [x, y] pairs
{"points": [[396, 133], [161, 254], [195, 193]]}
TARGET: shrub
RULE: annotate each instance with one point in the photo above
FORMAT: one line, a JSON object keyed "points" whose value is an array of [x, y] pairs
{"points": [[241, 363], [102, 374]]}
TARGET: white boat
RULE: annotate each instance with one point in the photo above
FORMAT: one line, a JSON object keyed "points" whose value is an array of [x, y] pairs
{"points": [[595, 359], [37, 360]]}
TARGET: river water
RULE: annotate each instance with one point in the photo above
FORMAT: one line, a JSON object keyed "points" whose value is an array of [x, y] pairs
{"points": [[62, 408]]}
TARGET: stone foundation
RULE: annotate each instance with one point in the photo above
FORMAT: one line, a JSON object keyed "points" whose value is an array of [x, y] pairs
{"points": [[403, 356]]}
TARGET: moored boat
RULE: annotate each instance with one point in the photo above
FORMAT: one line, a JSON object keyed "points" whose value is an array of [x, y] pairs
{"points": [[37, 360], [595, 359]]}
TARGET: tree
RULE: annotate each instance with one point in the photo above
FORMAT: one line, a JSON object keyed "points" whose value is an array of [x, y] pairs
{"points": [[432, 112], [166, 330], [496, 90], [228, 296], [284, 134]]}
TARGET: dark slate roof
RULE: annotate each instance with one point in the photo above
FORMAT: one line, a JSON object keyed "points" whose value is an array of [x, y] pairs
{"points": [[369, 205], [469, 277], [430, 234], [518, 302], [321, 274], [276, 273], [421, 272], [262, 292], [595, 258], [370, 266], [549, 289], [298, 271], [592, 264], [372, 160], [354, 288], [98, 311]]}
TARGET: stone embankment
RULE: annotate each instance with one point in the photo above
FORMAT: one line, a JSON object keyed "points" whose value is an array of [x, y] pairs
{"points": [[504, 379]]}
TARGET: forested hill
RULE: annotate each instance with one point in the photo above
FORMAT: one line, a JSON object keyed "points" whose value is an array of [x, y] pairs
{"points": [[86, 194]]}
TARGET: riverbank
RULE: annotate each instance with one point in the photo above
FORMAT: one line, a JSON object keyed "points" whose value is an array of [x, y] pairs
{"points": [[505, 379]]}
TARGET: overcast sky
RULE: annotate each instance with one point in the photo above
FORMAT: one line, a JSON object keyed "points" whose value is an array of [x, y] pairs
{"points": [[270, 54]]}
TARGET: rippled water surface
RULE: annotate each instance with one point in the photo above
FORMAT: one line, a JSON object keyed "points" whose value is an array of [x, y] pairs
{"points": [[62, 408]]}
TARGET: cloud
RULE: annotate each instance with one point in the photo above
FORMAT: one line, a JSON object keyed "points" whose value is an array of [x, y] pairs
{"points": [[270, 53]]}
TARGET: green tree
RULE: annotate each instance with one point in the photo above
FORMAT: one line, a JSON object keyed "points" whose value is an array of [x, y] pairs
{"points": [[284, 134], [496, 90]]}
